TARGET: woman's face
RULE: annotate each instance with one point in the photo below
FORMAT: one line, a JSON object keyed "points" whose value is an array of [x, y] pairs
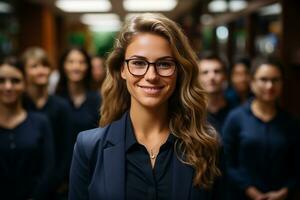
{"points": [[12, 84], [75, 66], [267, 83], [150, 90], [36, 72]]}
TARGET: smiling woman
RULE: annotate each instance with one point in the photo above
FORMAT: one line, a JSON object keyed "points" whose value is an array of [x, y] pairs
{"points": [[75, 86], [26, 148], [154, 141]]}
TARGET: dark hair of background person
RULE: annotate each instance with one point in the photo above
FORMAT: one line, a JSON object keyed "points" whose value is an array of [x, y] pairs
{"points": [[259, 61], [36, 53], [62, 87], [244, 60], [209, 55], [13, 61]]}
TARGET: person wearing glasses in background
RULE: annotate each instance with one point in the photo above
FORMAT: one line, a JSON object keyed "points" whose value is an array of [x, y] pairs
{"points": [[26, 145], [260, 140], [154, 141]]}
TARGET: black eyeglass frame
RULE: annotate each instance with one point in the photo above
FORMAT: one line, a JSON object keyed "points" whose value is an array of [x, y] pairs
{"points": [[148, 65]]}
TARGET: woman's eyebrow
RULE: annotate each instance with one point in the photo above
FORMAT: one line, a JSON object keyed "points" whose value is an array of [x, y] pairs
{"points": [[160, 58]]}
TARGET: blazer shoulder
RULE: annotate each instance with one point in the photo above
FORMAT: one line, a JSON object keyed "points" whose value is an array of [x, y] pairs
{"points": [[88, 140]]}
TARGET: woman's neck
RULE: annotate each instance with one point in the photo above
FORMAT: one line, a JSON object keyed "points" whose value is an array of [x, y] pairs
{"points": [[39, 94], [76, 88], [149, 123], [151, 128], [264, 110], [77, 93], [12, 115]]}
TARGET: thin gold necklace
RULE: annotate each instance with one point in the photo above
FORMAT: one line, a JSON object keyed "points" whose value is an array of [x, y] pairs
{"points": [[152, 155]]}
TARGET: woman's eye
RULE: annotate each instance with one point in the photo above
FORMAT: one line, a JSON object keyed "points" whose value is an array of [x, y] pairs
{"points": [[139, 63], [164, 64]]}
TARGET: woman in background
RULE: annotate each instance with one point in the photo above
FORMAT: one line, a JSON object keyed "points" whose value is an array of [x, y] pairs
{"points": [[37, 71], [260, 140], [26, 146], [75, 87]]}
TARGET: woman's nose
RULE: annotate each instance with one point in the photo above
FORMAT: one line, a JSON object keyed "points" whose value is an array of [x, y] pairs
{"points": [[151, 74]]}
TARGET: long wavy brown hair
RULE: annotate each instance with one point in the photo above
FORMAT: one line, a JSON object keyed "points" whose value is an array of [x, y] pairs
{"points": [[197, 142]]}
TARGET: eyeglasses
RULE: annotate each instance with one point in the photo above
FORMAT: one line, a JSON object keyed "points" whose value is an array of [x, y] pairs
{"points": [[139, 67], [263, 80]]}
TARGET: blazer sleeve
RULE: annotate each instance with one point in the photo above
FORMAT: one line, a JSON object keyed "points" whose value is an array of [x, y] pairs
{"points": [[79, 173], [231, 142]]}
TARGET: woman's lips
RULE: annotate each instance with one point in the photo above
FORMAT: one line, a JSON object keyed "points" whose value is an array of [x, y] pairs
{"points": [[151, 89]]}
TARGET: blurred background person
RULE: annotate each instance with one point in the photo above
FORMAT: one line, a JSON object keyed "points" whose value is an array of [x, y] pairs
{"points": [[26, 146], [239, 89], [75, 87], [260, 140], [213, 78], [98, 72], [37, 70]]}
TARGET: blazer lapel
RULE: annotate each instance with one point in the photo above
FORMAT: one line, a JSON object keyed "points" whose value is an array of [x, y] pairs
{"points": [[114, 172], [182, 179], [114, 160]]}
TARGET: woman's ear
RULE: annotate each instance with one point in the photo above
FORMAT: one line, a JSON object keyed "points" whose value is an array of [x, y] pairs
{"points": [[123, 73]]}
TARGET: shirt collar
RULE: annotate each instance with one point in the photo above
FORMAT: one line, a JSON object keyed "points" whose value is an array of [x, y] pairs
{"points": [[130, 138]]}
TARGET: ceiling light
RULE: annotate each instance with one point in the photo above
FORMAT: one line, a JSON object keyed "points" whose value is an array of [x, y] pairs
{"points": [[217, 6], [274, 9], [102, 22], [84, 5], [222, 32], [237, 5], [5, 7], [149, 5]]}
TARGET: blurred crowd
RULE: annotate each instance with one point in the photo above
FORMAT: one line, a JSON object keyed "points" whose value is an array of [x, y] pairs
{"points": [[42, 110]]}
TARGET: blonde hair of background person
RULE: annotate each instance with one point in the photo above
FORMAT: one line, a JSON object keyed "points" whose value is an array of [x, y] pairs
{"points": [[197, 144]]}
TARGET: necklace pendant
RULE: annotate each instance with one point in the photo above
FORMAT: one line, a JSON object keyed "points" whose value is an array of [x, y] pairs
{"points": [[152, 156]]}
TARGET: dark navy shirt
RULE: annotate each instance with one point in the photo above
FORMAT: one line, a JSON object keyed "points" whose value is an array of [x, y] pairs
{"points": [[58, 112], [86, 116], [260, 154], [26, 158], [233, 97], [143, 182], [217, 119]]}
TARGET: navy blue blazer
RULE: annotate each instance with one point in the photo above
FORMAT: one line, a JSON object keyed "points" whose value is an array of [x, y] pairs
{"points": [[98, 168]]}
